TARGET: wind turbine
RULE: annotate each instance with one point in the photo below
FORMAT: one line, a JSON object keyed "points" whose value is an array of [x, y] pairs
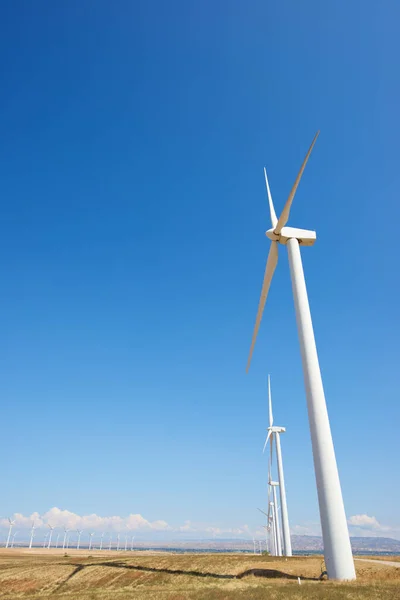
{"points": [[133, 537], [338, 556], [12, 523], [13, 538], [101, 541], [65, 543], [275, 432], [109, 546], [274, 485], [126, 543], [271, 527], [51, 527], [79, 532], [32, 534], [90, 540], [45, 539], [254, 546], [117, 542], [58, 537]]}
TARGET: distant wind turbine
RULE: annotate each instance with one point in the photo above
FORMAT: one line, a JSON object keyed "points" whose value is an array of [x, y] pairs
{"points": [[12, 523], [79, 532], [101, 541], [109, 546], [90, 540], [275, 432], [51, 527], [58, 537], [133, 537], [274, 485], [13, 538], [65, 544], [118, 542], [32, 534], [338, 556]]}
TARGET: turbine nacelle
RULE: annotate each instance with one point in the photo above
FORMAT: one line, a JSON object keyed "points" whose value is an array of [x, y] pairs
{"points": [[305, 237], [276, 429]]}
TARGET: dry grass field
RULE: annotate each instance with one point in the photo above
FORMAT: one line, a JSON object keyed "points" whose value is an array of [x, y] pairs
{"points": [[152, 576]]}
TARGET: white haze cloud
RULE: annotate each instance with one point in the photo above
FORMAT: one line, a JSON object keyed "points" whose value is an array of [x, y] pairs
{"points": [[366, 526], [69, 520], [359, 525]]}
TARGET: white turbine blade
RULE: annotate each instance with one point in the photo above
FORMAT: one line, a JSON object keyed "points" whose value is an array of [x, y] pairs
{"points": [[283, 219], [271, 417], [274, 220], [269, 273], [266, 441]]}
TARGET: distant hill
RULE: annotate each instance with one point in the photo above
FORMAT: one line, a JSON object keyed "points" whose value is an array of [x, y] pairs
{"points": [[299, 543], [358, 544]]}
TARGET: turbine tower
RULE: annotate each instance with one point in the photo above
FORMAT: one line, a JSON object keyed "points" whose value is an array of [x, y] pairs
{"points": [[65, 541], [51, 527], [274, 485], [337, 550], [275, 432], [133, 537], [79, 532], [101, 541], [32, 534], [12, 523], [90, 540]]}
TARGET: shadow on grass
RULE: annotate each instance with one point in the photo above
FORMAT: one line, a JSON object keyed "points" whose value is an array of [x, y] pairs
{"points": [[269, 573]]}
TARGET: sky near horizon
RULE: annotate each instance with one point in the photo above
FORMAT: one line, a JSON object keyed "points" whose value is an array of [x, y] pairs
{"points": [[133, 218]]}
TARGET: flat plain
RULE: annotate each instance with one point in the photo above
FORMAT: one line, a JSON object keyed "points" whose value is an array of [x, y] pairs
{"points": [[38, 574]]}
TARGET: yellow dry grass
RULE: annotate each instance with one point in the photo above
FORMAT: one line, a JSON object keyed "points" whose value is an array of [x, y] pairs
{"points": [[152, 576]]}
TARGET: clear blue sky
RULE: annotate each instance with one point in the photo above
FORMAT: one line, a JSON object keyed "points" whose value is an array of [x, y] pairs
{"points": [[133, 211]]}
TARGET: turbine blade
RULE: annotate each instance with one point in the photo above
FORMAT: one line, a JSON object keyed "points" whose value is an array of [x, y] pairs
{"points": [[264, 513], [269, 273], [266, 441], [271, 416], [283, 219], [274, 220]]}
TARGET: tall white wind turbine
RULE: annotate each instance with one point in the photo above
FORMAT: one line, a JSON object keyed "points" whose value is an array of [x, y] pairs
{"points": [[12, 523], [101, 541], [91, 534], [32, 534], [274, 432], [337, 550]]}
